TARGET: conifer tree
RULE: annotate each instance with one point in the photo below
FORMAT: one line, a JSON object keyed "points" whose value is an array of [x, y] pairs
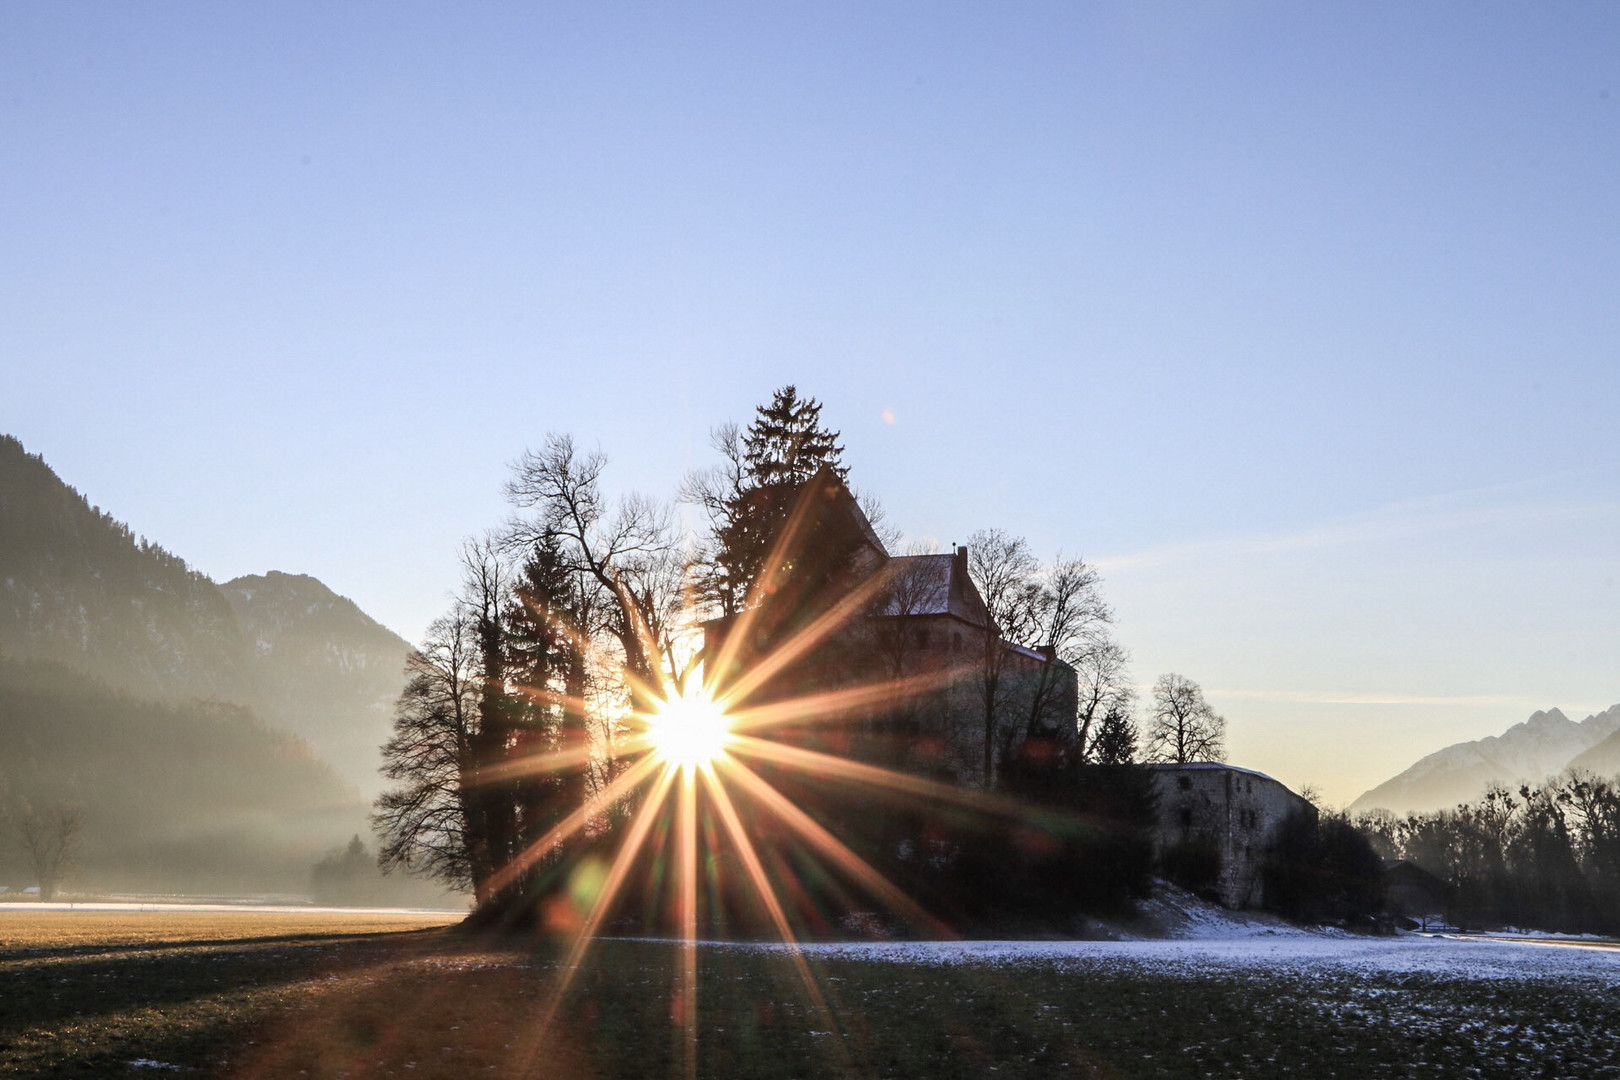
{"points": [[786, 444], [784, 447], [547, 665], [1115, 741]]}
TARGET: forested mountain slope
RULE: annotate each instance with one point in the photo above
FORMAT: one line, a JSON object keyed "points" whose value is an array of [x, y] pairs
{"points": [[78, 588]]}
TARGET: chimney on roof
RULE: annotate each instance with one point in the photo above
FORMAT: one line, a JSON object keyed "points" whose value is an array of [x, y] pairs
{"points": [[959, 573]]}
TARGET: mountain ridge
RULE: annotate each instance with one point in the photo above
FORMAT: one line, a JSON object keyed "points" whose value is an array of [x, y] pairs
{"points": [[77, 587], [1546, 744], [326, 671]]}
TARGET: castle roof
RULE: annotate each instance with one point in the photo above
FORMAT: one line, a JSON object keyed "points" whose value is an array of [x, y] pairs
{"points": [[934, 585]]}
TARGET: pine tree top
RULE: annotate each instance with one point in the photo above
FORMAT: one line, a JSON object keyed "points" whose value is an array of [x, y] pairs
{"points": [[786, 443]]}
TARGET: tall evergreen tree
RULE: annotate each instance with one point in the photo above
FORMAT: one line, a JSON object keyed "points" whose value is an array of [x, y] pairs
{"points": [[784, 447], [546, 663]]}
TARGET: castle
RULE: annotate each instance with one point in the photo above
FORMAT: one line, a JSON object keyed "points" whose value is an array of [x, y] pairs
{"points": [[929, 683]]}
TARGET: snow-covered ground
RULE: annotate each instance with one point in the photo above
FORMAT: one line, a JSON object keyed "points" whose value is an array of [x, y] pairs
{"points": [[1176, 933], [1281, 952]]}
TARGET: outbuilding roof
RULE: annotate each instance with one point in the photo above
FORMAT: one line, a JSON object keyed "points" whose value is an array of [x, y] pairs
{"points": [[1209, 766]]}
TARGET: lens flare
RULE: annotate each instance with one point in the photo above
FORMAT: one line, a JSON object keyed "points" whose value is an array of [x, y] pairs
{"points": [[690, 731], [687, 792]]}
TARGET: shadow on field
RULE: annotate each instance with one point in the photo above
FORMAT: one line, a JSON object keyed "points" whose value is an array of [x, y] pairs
{"points": [[91, 1012], [153, 948], [478, 1011], [449, 1005]]}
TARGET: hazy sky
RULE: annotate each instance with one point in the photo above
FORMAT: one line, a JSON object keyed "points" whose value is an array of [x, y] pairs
{"points": [[1302, 320]]}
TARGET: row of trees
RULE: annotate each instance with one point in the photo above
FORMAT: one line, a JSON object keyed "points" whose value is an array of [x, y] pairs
{"points": [[566, 622], [1545, 857]]}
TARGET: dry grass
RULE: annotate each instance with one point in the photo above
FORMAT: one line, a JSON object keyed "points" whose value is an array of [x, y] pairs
{"points": [[62, 930]]}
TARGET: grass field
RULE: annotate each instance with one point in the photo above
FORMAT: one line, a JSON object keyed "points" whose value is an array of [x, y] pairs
{"points": [[335, 995]]}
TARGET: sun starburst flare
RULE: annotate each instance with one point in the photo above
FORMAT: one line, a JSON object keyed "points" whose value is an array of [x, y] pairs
{"points": [[686, 764], [703, 783], [689, 731]]}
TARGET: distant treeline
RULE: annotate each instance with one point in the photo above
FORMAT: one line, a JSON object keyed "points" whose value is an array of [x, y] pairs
{"points": [[1546, 858]]}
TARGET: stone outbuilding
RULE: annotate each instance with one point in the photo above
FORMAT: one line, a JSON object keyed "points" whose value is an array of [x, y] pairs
{"points": [[1230, 814]]}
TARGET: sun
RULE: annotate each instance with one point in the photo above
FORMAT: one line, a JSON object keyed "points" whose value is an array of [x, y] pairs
{"points": [[689, 731]]}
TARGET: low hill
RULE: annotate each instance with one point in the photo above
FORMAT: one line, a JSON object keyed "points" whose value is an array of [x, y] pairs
{"points": [[1546, 744], [322, 668]]}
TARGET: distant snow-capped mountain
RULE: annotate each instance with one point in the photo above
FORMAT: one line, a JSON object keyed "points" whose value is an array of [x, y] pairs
{"points": [[1545, 745]]}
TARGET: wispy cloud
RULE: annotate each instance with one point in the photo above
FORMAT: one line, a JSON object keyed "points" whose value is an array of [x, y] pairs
{"points": [[1526, 501]]}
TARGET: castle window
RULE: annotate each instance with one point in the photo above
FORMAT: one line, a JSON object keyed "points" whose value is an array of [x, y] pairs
{"points": [[956, 642], [922, 639], [1184, 782]]}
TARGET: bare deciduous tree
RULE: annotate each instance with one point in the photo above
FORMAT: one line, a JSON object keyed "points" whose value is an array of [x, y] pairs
{"points": [[628, 552], [423, 821], [1104, 687], [1003, 568], [49, 840], [909, 592], [1183, 727], [718, 491], [1071, 621], [1059, 610]]}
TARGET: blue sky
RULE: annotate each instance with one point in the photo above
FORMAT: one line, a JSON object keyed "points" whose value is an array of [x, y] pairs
{"points": [[1299, 319]]}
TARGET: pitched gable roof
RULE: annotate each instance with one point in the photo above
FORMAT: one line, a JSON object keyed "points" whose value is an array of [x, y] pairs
{"points": [[934, 585], [832, 485]]}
